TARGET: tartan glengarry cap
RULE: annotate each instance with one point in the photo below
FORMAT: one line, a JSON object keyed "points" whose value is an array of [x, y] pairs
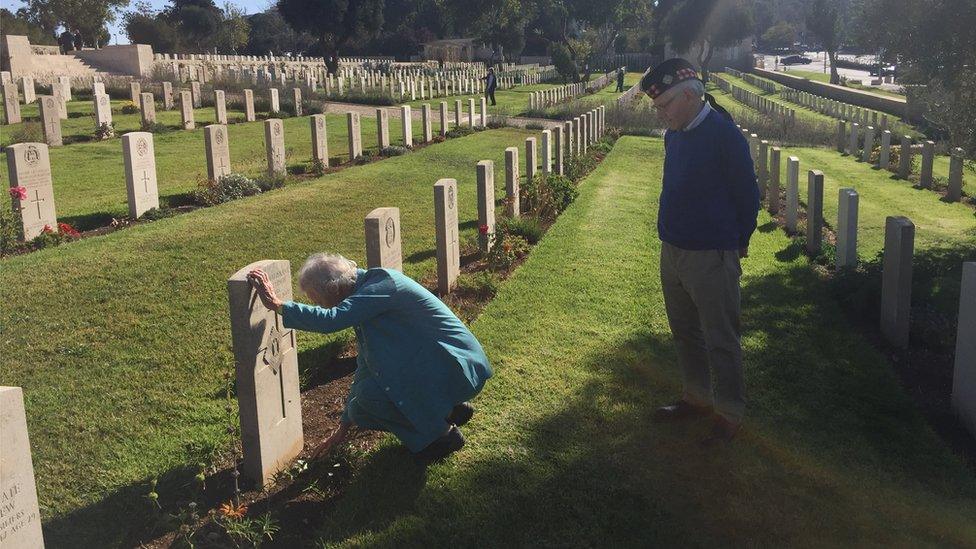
{"points": [[666, 75]]}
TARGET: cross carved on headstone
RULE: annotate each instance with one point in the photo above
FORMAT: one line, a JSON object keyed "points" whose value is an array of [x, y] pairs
{"points": [[223, 168], [276, 345], [145, 180], [37, 200]]}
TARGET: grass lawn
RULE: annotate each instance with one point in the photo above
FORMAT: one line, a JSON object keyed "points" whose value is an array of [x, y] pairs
{"points": [[89, 178], [122, 340], [563, 450]]}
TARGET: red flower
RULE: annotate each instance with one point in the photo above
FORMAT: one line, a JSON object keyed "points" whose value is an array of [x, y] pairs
{"points": [[68, 230], [47, 229], [19, 193], [483, 229]]}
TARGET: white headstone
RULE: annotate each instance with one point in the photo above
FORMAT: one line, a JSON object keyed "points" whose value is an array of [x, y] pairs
{"points": [[186, 110], [139, 158], [426, 123], [266, 360], [355, 135], [249, 105], [217, 148], [896, 280], [847, 228], [275, 103], [446, 225], [11, 103], [382, 128], [274, 144], [964, 373], [103, 110], [50, 121], [220, 107], [148, 109], [486, 203], [29, 166], [320, 139], [383, 247], [513, 207], [406, 118], [792, 193], [20, 519]]}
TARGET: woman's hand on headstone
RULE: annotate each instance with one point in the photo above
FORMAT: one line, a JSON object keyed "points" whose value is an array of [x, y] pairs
{"points": [[265, 289]]}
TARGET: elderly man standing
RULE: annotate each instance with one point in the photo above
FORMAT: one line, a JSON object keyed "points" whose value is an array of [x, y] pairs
{"points": [[707, 214]]}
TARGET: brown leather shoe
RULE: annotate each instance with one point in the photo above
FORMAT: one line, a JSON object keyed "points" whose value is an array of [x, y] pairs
{"points": [[681, 410], [723, 431]]}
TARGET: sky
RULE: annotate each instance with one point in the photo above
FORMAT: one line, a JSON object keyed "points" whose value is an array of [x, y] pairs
{"points": [[118, 35]]}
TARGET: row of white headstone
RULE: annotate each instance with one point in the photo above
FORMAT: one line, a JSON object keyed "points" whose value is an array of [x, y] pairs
{"points": [[859, 143], [265, 356], [756, 101], [836, 109], [896, 268]]}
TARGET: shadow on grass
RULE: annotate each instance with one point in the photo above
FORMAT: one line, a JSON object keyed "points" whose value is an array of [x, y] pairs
{"points": [[596, 470], [587, 466]]}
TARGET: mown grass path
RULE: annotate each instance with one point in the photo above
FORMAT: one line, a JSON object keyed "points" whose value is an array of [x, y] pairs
{"points": [[563, 450]]}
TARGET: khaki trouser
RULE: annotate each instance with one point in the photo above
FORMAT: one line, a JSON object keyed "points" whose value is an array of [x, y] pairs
{"points": [[701, 295]]}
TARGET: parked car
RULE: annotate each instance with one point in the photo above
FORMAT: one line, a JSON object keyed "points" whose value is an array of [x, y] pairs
{"points": [[885, 70], [796, 60]]}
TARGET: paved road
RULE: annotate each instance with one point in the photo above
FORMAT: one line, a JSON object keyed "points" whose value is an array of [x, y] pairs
{"points": [[821, 64]]}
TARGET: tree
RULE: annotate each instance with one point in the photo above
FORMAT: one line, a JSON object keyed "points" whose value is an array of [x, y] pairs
{"points": [[234, 29], [822, 21], [708, 24], [20, 25], [780, 35], [935, 46], [336, 23], [270, 32], [88, 16]]}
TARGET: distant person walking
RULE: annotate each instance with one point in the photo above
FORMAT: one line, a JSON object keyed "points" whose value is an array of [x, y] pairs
{"points": [[78, 41], [620, 79], [66, 40], [491, 82]]}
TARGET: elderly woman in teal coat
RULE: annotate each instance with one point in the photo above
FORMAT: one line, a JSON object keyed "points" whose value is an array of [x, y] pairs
{"points": [[418, 364]]}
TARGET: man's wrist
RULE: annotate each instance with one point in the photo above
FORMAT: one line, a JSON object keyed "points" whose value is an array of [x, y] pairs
{"points": [[279, 305]]}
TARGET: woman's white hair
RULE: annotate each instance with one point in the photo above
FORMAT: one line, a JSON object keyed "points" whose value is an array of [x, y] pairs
{"points": [[327, 275]]}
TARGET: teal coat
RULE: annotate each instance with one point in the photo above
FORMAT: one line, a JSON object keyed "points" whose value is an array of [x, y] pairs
{"points": [[418, 351]]}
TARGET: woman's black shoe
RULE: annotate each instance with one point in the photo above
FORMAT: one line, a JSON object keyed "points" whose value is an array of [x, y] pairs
{"points": [[461, 414], [441, 448]]}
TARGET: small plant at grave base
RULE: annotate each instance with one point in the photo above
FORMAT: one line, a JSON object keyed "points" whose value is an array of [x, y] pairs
{"points": [[438, 139], [252, 531], [459, 132], [11, 224], [578, 167], [482, 284], [548, 195], [394, 150], [129, 108], [317, 167], [50, 238], [495, 124], [155, 214], [227, 188], [527, 227], [505, 250], [105, 131]]}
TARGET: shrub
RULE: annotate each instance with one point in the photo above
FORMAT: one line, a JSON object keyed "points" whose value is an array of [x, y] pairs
{"points": [[482, 284], [227, 188], [506, 249], [49, 237], [129, 108], [548, 195], [534, 126], [105, 131], [578, 166], [394, 150], [10, 230], [563, 60], [155, 127], [497, 122], [460, 132], [267, 182], [368, 98], [527, 227], [28, 132]]}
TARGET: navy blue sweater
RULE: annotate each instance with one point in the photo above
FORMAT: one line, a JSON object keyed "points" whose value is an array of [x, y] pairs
{"points": [[710, 198]]}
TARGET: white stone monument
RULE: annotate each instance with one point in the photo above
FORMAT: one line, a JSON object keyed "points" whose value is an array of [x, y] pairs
{"points": [[139, 159]]}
